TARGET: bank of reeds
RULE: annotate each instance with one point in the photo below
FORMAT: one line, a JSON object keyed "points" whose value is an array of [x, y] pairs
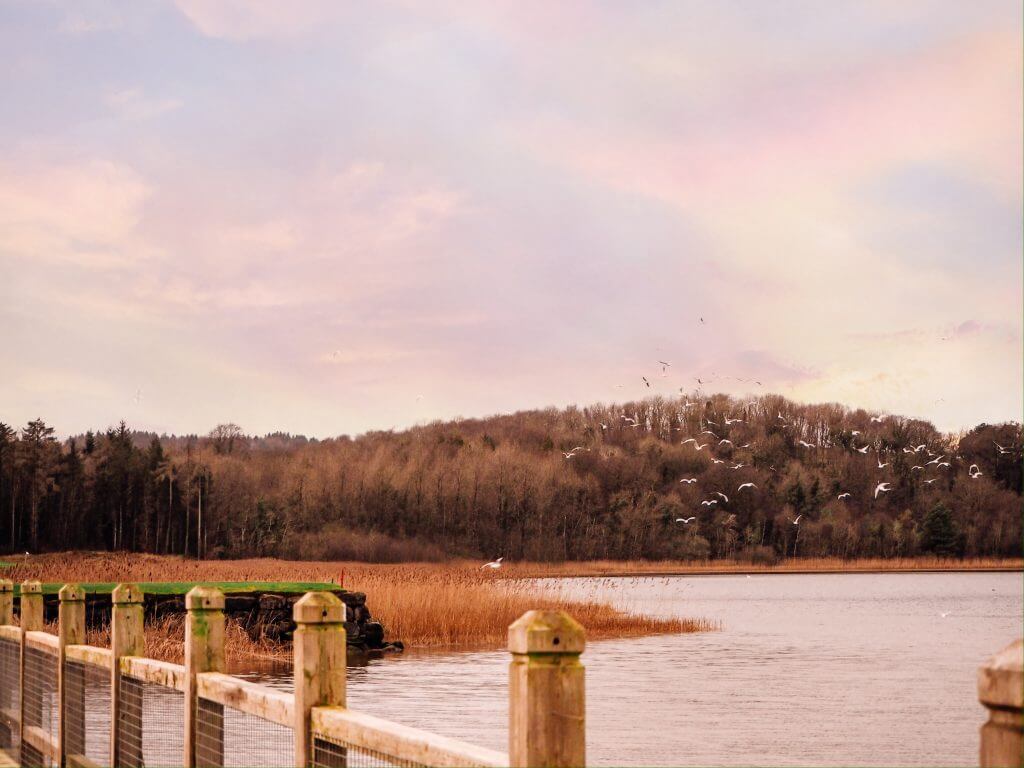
{"points": [[424, 605]]}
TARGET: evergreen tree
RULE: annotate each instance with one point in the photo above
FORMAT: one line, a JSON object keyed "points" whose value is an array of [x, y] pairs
{"points": [[939, 532]]}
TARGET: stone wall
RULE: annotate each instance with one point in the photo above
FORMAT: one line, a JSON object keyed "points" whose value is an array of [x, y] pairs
{"points": [[263, 614]]}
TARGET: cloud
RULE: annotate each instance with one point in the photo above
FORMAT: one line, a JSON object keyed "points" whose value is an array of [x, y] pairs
{"points": [[241, 20], [84, 211], [133, 104]]}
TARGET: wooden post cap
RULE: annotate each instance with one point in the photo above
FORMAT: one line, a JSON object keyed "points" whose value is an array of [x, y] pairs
{"points": [[546, 632], [31, 587], [204, 599], [71, 593], [319, 608], [1001, 678], [126, 593], [6, 585]]}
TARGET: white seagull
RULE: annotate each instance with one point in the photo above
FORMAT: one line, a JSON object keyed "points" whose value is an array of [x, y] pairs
{"points": [[881, 465], [746, 485], [862, 450], [844, 495], [494, 564], [878, 419], [685, 520], [928, 482], [974, 472], [688, 480], [805, 444], [724, 497], [797, 521], [709, 503], [881, 488]]}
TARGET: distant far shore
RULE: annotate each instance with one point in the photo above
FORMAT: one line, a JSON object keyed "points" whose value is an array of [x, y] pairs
{"points": [[809, 565]]}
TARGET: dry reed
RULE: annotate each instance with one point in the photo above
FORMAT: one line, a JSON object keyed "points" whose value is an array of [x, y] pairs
{"points": [[422, 604]]}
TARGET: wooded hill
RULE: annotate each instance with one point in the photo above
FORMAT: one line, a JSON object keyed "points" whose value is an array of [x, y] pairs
{"points": [[578, 483]]}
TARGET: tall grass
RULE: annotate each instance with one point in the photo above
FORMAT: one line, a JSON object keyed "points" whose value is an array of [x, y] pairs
{"points": [[424, 605]]}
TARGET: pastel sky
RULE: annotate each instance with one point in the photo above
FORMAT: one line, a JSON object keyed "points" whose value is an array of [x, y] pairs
{"points": [[327, 217]]}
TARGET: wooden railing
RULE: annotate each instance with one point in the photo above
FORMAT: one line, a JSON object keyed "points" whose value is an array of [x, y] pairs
{"points": [[66, 703]]}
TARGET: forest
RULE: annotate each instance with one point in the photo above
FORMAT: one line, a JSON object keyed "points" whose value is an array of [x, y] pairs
{"points": [[691, 479]]}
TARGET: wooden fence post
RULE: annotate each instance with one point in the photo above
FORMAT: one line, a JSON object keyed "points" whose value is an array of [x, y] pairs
{"points": [[319, 651], [6, 602], [7, 695], [1001, 690], [126, 639], [204, 652], [70, 631], [31, 607], [547, 704]]}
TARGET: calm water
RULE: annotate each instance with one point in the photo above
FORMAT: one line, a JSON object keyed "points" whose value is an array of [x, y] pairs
{"points": [[845, 669]]}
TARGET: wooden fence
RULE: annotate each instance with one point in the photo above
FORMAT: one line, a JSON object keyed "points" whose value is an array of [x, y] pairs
{"points": [[65, 703]]}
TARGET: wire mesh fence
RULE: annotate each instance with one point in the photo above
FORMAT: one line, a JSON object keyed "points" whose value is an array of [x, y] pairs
{"points": [[32, 758], [87, 711], [10, 696], [229, 737], [150, 725], [40, 690], [330, 752]]}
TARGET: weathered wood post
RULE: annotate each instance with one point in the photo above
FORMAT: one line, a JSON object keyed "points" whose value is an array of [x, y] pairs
{"points": [[126, 639], [70, 692], [204, 652], [319, 655], [547, 725], [31, 606], [6, 602], [1001, 690]]}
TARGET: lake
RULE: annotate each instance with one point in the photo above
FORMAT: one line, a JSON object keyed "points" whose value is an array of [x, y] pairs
{"points": [[824, 669]]}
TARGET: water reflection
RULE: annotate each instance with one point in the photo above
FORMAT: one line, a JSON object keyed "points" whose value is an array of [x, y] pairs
{"points": [[829, 669]]}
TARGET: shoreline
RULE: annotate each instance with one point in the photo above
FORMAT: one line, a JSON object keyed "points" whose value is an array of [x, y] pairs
{"points": [[771, 572]]}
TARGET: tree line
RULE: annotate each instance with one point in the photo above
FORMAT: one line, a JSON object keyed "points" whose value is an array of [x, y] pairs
{"points": [[577, 483]]}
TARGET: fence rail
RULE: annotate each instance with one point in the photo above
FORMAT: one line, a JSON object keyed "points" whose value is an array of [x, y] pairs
{"points": [[66, 703]]}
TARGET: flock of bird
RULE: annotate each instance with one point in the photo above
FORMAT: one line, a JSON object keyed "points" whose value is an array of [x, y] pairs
{"points": [[937, 462]]}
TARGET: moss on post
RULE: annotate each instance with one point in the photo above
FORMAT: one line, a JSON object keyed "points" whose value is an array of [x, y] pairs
{"points": [[319, 657], [204, 652], [126, 639], [70, 631], [547, 725], [6, 602], [31, 604]]}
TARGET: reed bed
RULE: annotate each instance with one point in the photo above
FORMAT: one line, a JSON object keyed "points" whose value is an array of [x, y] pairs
{"points": [[422, 604]]}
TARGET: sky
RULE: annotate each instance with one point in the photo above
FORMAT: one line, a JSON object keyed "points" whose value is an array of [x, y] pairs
{"points": [[326, 218]]}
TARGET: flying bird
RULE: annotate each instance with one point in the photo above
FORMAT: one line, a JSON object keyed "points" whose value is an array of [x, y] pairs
{"points": [[646, 381], [725, 440], [805, 444], [724, 497], [878, 419], [709, 503], [844, 495], [718, 461], [974, 471], [733, 421], [709, 432], [881, 488], [494, 564], [881, 465], [738, 466], [688, 480], [935, 460], [685, 520], [855, 432], [688, 440], [863, 450], [928, 482], [916, 466], [797, 521], [746, 485]]}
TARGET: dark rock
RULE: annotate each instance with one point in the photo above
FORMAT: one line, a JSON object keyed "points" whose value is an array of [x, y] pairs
{"points": [[373, 634]]}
